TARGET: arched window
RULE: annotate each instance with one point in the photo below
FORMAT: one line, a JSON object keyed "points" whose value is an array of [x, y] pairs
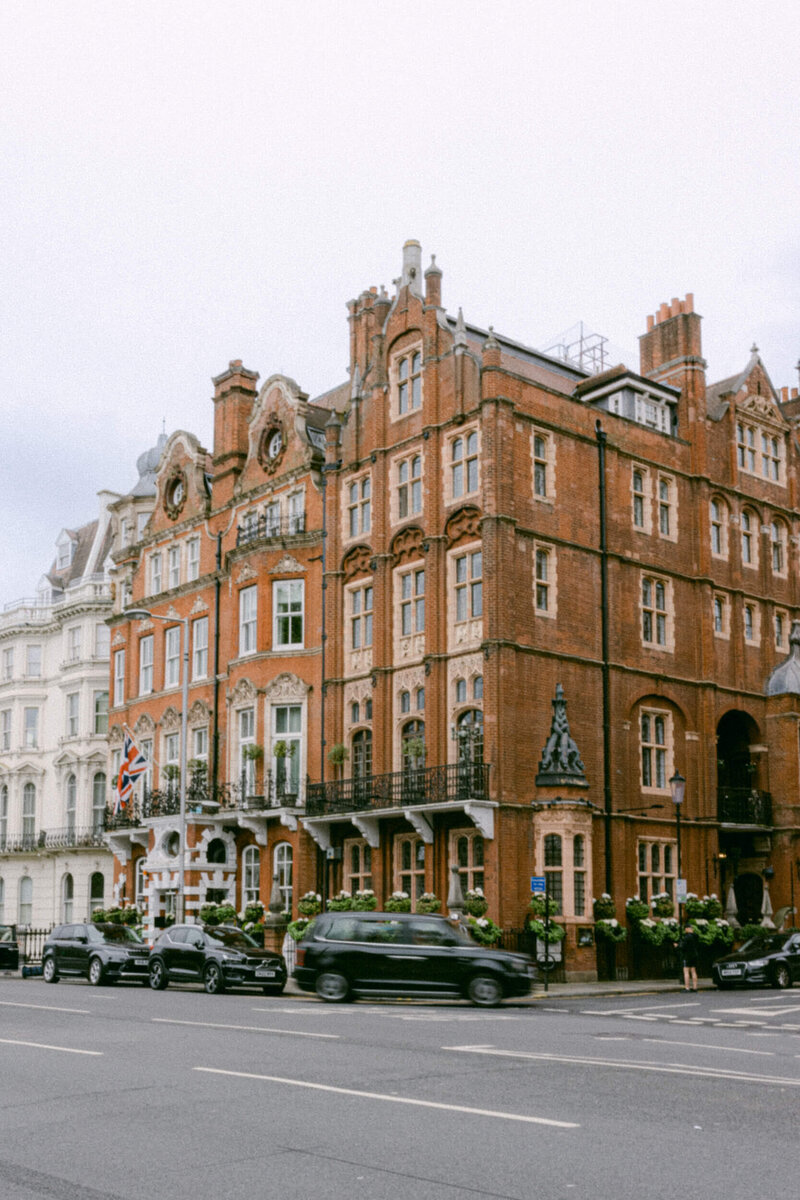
{"points": [[467, 853], [461, 691], [251, 874], [97, 891], [412, 738], [71, 803], [579, 874], [553, 862], [362, 754], [477, 688], [3, 815], [749, 526], [282, 867], [25, 905], [98, 801], [405, 702], [140, 886], [719, 530], [67, 896], [217, 853], [29, 817]]}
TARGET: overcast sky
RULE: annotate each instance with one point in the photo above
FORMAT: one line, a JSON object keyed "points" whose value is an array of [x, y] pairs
{"points": [[184, 183]]}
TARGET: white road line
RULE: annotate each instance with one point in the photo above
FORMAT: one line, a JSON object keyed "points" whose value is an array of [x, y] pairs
{"points": [[246, 1028], [640, 1017], [706, 1046], [456, 1108], [615, 1012], [634, 1065], [43, 1046], [47, 1007]]}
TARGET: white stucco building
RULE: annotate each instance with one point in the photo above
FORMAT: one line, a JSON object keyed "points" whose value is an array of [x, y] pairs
{"points": [[54, 785]]}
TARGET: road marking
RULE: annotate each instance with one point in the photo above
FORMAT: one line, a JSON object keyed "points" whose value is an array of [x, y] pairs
{"points": [[782, 1010], [246, 1028], [43, 1046], [706, 1046], [614, 1012], [640, 1017], [456, 1108], [633, 1065], [46, 1007]]}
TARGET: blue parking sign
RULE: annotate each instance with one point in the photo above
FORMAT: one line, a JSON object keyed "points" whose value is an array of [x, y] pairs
{"points": [[538, 883]]}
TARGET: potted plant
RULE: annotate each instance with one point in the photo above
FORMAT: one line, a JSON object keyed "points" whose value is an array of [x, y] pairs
{"points": [[536, 907], [475, 903], [662, 904], [484, 930], [365, 901], [604, 908], [636, 909], [253, 752], [414, 750], [428, 903], [297, 928], [341, 902], [398, 902], [309, 904], [609, 929], [282, 749], [338, 754]]}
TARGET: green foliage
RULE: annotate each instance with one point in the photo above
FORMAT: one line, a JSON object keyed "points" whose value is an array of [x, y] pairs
{"points": [[536, 906], [751, 930], [398, 902], [637, 909], [608, 929], [118, 916], [253, 751], [338, 754], [296, 929], [309, 904], [253, 912], [365, 901], [484, 930], [604, 908], [341, 902], [555, 933], [662, 905], [475, 903], [428, 903], [283, 749], [654, 932]]}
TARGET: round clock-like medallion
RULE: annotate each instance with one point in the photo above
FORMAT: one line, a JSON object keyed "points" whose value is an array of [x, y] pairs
{"points": [[175, 494], [272, 446]]}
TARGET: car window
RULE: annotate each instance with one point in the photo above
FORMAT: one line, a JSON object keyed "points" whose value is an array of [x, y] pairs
{"points": [[5, 934], [429, 933], [117, 933], [343, 930], [232, 938], [179, 935], [386, 932]]}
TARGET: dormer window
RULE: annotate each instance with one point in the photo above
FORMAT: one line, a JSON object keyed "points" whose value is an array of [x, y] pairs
{"points": [[64, 551]]}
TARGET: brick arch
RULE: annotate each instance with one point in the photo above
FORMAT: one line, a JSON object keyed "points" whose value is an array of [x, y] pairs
{"points": [[463, 525], [356, 562]]}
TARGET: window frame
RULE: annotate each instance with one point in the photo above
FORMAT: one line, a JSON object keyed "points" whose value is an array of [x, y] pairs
{"points": [[285, 623], [248, 620]]}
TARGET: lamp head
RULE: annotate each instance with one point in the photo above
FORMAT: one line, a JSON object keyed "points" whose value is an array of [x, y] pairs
{"points": [[677, 787]]}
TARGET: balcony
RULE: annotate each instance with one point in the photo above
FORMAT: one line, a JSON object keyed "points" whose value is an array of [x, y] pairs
{"points": [[744, 806], [264, 528], [424, 785], [22, 844], [73, 837], [203, 800]]}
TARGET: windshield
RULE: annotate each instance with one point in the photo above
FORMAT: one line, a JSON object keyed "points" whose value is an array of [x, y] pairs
{"points": [[113, 933], [763, 944], [232, 938]]}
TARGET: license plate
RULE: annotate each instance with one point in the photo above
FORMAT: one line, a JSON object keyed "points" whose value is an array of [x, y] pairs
{"points": [[261, 973], [730, 971], [140, 962]]}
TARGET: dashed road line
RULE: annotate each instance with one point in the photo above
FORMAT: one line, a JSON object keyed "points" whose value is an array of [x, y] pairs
{"points": [[245, 1028], [44, 1046]]}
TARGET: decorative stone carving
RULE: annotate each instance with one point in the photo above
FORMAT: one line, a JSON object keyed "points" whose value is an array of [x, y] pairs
{"points": [[171, 719], [144, 724], [243, 692], [407, 546], [466, 523], [561, 761], [287, 565], [356, 563], [287, 686]]}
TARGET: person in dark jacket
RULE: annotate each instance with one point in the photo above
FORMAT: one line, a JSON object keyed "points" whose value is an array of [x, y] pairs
{"points": [[690, 949]]}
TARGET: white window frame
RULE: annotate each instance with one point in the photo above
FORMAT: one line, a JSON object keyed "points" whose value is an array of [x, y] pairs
{"points": [[408, 486], [251, 875], [464, 478], [288, 607], [172, 656], [749, 527], [720, 615], [146, 665], [718, 526], [780, 629], [543, 450], [33, 661], [656, 748], [200, 648], [192, 559], [74, 644], [407, 378], [155, 573], [73, 702], [654, 880], [667, 508], [5, 729], [358, 507], [174, 567], [656, 619], [248, 620], [468, 604], [545, 576], [283, 867], [357, 878], [361, 613], [119, 677], [30, 727]]}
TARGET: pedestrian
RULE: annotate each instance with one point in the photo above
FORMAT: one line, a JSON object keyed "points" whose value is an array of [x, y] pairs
{"points": [[689, 953]]}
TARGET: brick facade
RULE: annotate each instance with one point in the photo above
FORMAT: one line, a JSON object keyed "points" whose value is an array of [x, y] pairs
{"points": [[439, 515]]}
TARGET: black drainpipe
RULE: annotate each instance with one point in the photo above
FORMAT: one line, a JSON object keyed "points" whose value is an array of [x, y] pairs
{"points": [[215, 727], [601, 462]]}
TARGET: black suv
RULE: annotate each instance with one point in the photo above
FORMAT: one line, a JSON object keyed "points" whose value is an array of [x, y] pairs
{"points": [[103, 953], [397, 954], [218, 956], [9, 948]]}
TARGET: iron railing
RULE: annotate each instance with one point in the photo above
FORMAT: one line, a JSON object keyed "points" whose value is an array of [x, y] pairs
{"points": [[202, 798], [266, 527], [744, 806], [73, 837], [22, 843], [421, 785]]}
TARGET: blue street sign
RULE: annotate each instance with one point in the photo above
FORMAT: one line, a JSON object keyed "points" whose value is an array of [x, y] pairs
{"points": [[538, 883]]}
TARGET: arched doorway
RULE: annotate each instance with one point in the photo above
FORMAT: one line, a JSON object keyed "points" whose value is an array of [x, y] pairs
{"points": [[748, 889], [736, 768]]}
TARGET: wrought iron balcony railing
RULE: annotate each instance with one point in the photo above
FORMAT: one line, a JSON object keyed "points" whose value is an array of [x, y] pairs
{"points": [[423, 785], [266, 527], [202, 798], [21, 843], [744, 806], [73, 837]]}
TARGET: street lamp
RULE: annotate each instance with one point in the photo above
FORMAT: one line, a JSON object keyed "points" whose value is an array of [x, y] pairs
{"points": [[144, 614], [677, 785]]}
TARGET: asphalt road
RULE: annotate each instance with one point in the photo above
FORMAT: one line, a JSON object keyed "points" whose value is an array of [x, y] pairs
{"points": [[119, 1092]]}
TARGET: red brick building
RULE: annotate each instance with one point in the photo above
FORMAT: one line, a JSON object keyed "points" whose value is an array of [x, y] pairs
{"points": [[391, 581]]}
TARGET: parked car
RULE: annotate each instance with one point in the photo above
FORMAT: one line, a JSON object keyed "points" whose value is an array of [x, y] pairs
{"points": [[9, 948], [103, 953], [218, 956], [400, 954], [772, 958]]}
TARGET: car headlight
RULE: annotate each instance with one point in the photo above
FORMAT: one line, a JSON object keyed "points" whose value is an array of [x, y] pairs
{"points": [[758, 962]]}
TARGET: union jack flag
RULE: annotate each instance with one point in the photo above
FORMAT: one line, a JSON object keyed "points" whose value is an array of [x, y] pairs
{"points": [[133, 765]]}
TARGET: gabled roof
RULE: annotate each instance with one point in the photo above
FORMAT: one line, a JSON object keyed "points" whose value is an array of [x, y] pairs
{"points": [[719, 395]]}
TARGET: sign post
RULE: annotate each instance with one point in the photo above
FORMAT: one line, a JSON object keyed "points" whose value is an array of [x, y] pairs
{"points": [[539, 887]]}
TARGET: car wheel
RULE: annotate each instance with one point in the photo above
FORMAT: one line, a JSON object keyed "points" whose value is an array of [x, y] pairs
{"points": [[212, 980], [95, 972], [158, 975], [273, 989], [485, 991], [781, 977], [49, 972], [332, 987]]}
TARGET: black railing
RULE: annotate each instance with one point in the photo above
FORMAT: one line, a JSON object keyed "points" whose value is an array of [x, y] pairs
{"points": [[266, 527], [422, 785], [202, 798], [744, 806]]}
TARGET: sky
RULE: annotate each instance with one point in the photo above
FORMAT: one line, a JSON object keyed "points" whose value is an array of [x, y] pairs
{"points": [[190, 182]]}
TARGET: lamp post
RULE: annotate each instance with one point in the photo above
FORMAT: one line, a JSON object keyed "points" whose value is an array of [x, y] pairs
{"points": [[677, 786], [144, 614]]}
